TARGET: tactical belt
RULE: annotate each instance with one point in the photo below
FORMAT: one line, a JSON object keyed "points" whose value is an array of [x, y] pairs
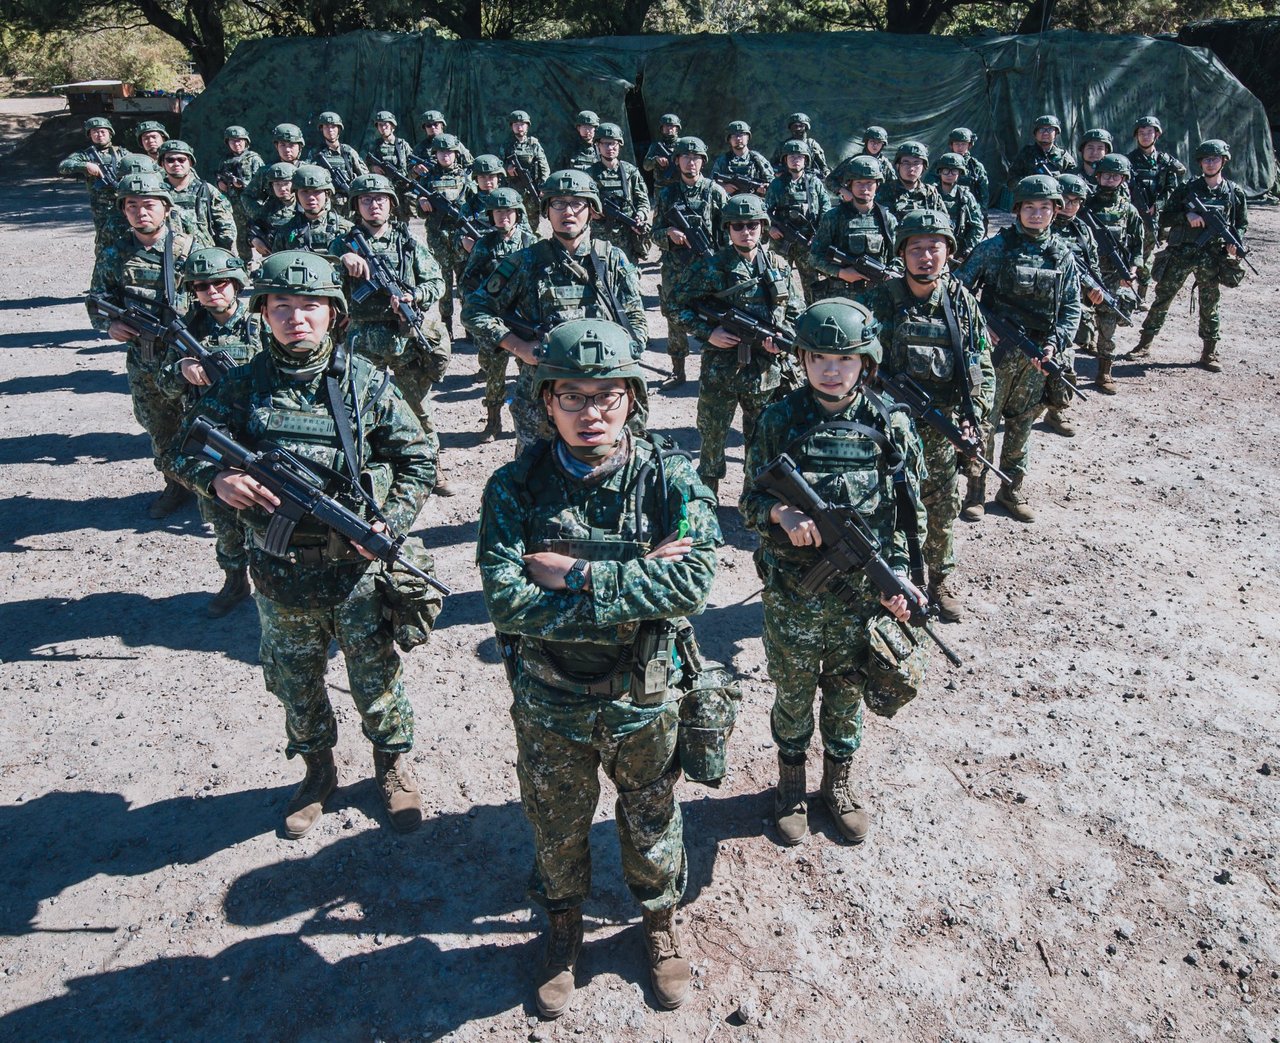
{"points": [[539, 664], [334, 550]]}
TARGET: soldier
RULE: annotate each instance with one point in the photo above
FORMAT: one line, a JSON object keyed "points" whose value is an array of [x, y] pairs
{"points": [[267, 220], [451, 181], [586, 611], [1155, 176], [143, 265], [97, 164], [315, 225], [749, 276], [932, 333], [222, 323], [874, 141], [389, 151], [1111, 208], [621, 183], [526, 164], [233, 178], [843, 441], [1193, 248], [968, 223], [699, 201], [799, 125], [1043, 155], [797, 199], [581, 152], [301, 392], [660, 160], [341, 160], [287, 140], [569, 276], [960, 142], [859, 226], [1095, 144], [486, 174], [151, 135], [116, 227], [509, 235], [1028, 276], [1084, 248], [211, 210], [906, 191], [433, 124], [741, 168]]}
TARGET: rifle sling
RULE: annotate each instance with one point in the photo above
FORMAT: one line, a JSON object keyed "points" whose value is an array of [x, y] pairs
{"points": [[608, 294], [959, 362]]}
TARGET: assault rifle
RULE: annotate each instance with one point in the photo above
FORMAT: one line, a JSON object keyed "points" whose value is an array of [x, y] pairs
{"points": [[235, 181], [440, 203], [1120, 260], [874, 270], [341, 180], [383, 279], [1091, 280], [158, 333], [301, 494], [1142, 191], [1216, 227], [1011, 334], [110, 169], [614, 211], [740, 181], [797, 232], [523, 175], [920, 405], [847, 547], [749, 330], [697, 238]]}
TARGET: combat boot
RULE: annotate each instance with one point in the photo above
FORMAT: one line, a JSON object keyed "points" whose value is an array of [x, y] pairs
{"points": [[1057, 420], [949, 610], [842, 802], [1011, 499], [307, 803], [790, 810], [442, 486], [975, 499], [555, 977], [399, 791], [235, 588], [174, 496], [668, 970], [1143, 348], [493, 425], [1209, 357], [1105, 382], [677, 374]]}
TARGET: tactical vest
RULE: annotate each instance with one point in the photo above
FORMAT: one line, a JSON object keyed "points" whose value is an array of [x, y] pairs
{"points": [[197, 199], [902, 200], [393, 153], [1029, 284], [923, 348], [1223, 200], [564, 294], [750, 165], [858, 233], [696, 205], [1114, 217], [239, 338], [802, 197], [313, 236], [397, 247], [451, 184]]}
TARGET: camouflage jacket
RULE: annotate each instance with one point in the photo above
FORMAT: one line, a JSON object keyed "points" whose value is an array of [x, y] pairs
{"points": [[127, 269], [473, 210], [260, 402], [344, 159], [1033, 281], [750, 164], [532, 158], [115, 227], [623, 185], [1084, 248], [917, 340], [547, 286], [257, 193], [239, 337], [966, 218], [817, 157], [1161, 173], [845, 467], [301, 233], [852, 232], [215, 220], [538, 503], [1032, 159], [410, 260], [236, 173], [578, 155], [801, 198], [423, 150], [974, 177], [393, 153], [100, 195], [902, 200], [489, 252], [1227, 197], [701, 204], [457, 187], [1121, 218], [662, 176]]}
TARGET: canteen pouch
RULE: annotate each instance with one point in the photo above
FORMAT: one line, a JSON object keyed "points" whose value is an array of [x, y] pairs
{"points": [[708, 712], [408, 601], [894, 671]]}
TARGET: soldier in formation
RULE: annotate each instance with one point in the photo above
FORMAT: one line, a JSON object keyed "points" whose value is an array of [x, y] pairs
{"points": [[660, 159], [526, 164], [859, 226], [210, 210], [1043, 154], [1156, 175], [336, 156], [796, 202], [741, 168], [233, 177], [621, 184], [97, 164]]}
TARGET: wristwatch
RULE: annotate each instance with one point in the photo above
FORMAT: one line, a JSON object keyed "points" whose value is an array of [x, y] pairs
{"points": [[575, 580]]}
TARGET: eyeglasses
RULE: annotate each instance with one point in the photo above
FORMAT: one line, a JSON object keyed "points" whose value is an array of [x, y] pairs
{"points": [[742, 226], [177, 159], [576, 401], [562, 205], [217, 284]]}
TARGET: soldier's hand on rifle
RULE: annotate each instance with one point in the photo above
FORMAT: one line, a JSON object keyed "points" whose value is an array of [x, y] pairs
{"points": [[357, 267], [673, 548], [897, 605], [522, 349], [663, 162], [93, 170], [377, 527], [237, 489], [1195, 220], [801, 530], [851, 275], [967, 429], [1095, 296], [259, 247], [193, 373], [122, 331], [774, 234], [222, 186], [468, 243], [1232, 251], [769, 346], [677, 237], [722, 338], [424, 206], [419, 168]]}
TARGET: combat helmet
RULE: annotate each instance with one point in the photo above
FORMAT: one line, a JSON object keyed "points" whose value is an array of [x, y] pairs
{"points": [[669, 119], [135, 163], [911, 150], [962, 134], [573, 183], [1213, 147], [281, 171], [289, 133], [502, 198], [144, 185], [236, 132], [432, 116], [99, 123], [1097, 134], [745, 207], [1047, 120], [386, 116], [1148, 121], [372, 185], [800, 118], [212, 263], [796, 147], [297, 272], [950, 161], [839, 327], [310, 176], [150, 127], [329, 119], [923, 222], [176, 146], [586, 118], [1037, 186], [445, 143], [1074, 185], [1114, 163], [874, 133], [587, 349], [689, 146], [518, 116], [863, 168], [487, 164], [610, 132], [738, 127]]}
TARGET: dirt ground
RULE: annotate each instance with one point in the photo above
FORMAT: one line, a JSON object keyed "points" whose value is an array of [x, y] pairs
{"points": [[1075, 834]]}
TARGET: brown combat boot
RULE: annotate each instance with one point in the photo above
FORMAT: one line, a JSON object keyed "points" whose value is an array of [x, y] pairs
{"points": [[235, 588], [790, 811], [1105, 382], [677, 374], [174, 496], [1011, 499], [949, 610], [1143, 348], [1209, 357], [668, 970], [975, 499], [442, 486], [399, 791], [842, 802], [555, 977], [493, 424], [307, 803], [1057, 420]]}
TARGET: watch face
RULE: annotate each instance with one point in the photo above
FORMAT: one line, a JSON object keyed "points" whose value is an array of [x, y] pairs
{"points": [[575, 579]]}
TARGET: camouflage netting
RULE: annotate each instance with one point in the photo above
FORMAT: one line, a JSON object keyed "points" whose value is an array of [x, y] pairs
{"points": [[916, 86], [1248, 47]]}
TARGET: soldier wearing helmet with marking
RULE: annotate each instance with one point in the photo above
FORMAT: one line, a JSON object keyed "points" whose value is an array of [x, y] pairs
{"points": [[1043, 155], [741, 160], [1094, 144], [341, 160], [233, 177], [973, 176], [97, 165], [1084, 248], [797, 196], [525, 152], [660, 160], [581, 152], [623, 185], [1110, 206], [432, 124], [1156, 175], [316, 224], [215, 221], [799, 125], [860, 226], [907, 190], [968, 222], [287, 140]]}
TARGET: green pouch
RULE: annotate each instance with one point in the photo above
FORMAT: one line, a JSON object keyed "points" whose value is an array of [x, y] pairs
{"points": [[409, 602], [1230, 270], [896, 658], [708, 712]]}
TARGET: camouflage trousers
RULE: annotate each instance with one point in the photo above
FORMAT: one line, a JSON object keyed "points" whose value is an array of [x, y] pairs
{"points": [[940, 494], [1107, 321], [1177, 265], [560, 788], [1149, 236], [159, 415], [677, 336], [493, 365], [244, 249], [442, 249], [813, 642], [635, 247], [103, 209], [719, 396], [228, 533], [295, 652], [1018, 402], [415, 368]]}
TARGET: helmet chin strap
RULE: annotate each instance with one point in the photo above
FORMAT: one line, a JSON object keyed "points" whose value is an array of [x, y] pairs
{"points": [[924, 279]]}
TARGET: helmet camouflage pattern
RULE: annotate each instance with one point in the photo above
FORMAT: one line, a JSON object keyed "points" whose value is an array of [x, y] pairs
{"points": [[487, 164], [281, 172], [962, 134], [689, 146], [1148, 121], [800, 118], [444, 143], [143, 186], [863, 168], [372, 185], [432, 116], [874, 133], [669, 119], [290, 133], [1097, 134], [298, 272], [150, 127], [796, 147], [98, 123], [1114, 163], [586, 349], [503, 198], [1037, 186], [573, 183], [133, 163], [745, 207], [176, 146], [610, 132], [586, 118], [213, 263], [1073, 185], [923, 222], [237, 133], [1048, 120], [518, 116], [911, 150], [310, 176], [1213, 147], [738, 127], [950, 161], [839, 327], [329, 119], [386, 116]]}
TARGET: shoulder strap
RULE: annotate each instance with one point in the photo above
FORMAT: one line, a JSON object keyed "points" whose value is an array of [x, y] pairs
{"points": [[606, 291], [168, 282], [960, 363], [881, 213]]}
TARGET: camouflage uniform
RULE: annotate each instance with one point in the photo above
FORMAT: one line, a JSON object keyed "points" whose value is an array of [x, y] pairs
{"points": [[214, 220], [750, 164], [272, 217], [115, 227], [852, 232], [102, 198], [1162, 173], [530, 153], [237, 172], [394, 155], [918, 343], [662, 176], [1032, 159], [802, 201], [901, 200], [966, 218], [817, 641], [578, 155], [1084, 248], [769, 290], [315, 236], [455, 185], [345, 161], [324, 591], [566, 730], [701, 204], [974, 177], [624, 185], [1113, 211], [817, 156], [838, 178]]}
